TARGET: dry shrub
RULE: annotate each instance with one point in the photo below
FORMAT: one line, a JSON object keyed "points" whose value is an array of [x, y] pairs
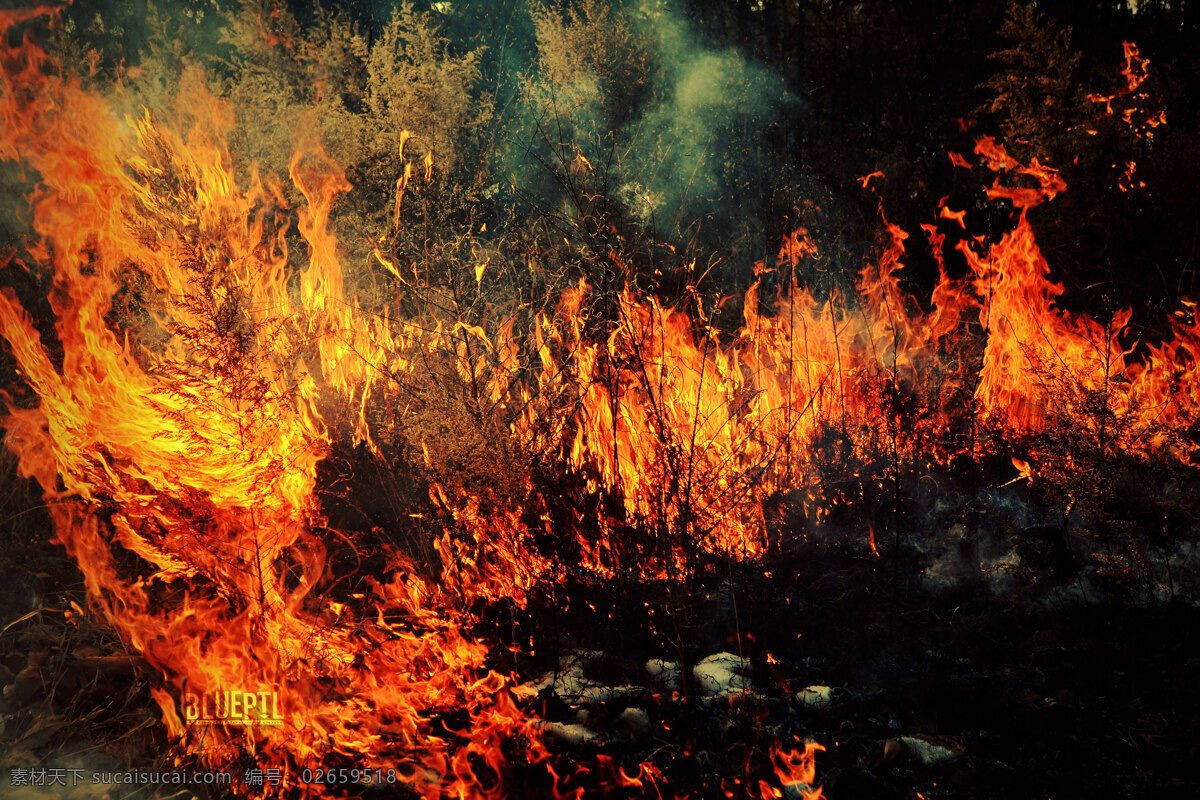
{"points": [[1118, 507], [590, 61], [358, 96]]}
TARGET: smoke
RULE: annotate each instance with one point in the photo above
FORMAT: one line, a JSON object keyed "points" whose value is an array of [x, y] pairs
{"points": [[702, 148], [681, 125], [678, 124]]}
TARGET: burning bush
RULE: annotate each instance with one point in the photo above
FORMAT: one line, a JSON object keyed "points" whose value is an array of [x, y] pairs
{"points": [[330, 436]]}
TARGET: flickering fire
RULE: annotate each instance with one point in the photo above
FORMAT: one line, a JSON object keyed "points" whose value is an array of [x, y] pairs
{"points": [[193, 439], [797, 768], [1135, 72], [1140, 119], [195, 446]]}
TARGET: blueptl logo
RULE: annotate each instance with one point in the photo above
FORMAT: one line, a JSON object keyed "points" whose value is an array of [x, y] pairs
{"points": [[231, 707]]}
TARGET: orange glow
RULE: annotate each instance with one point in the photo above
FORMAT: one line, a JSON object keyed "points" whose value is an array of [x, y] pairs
{"points": [[193, 443], [1133, 108], [178, 453], [798, 768], [958, 161]]}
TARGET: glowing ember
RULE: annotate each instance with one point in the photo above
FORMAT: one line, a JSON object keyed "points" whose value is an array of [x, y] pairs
{"points": [[797, 768]]}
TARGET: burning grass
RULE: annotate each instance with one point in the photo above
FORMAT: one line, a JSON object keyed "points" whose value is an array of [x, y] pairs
{"points": [[379, 508]]}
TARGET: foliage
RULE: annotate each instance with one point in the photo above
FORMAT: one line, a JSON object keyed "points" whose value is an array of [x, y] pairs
{"points": [[591, 62], [363, 93], [1037, 98]]}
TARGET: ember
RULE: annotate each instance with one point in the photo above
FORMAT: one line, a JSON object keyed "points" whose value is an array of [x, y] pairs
{"points": [[381, 470]]}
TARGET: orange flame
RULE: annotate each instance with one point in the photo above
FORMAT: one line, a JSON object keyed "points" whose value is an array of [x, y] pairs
{"points": [[193, 443], [798, 768], [178, 452]]}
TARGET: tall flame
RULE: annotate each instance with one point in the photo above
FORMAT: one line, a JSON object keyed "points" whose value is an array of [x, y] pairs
{"points": [[193, 442], [178, 451]]}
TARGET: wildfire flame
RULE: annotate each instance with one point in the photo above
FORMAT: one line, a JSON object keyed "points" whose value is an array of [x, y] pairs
{"points": [[194, 442], [1140, 118], [192, 439]]}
